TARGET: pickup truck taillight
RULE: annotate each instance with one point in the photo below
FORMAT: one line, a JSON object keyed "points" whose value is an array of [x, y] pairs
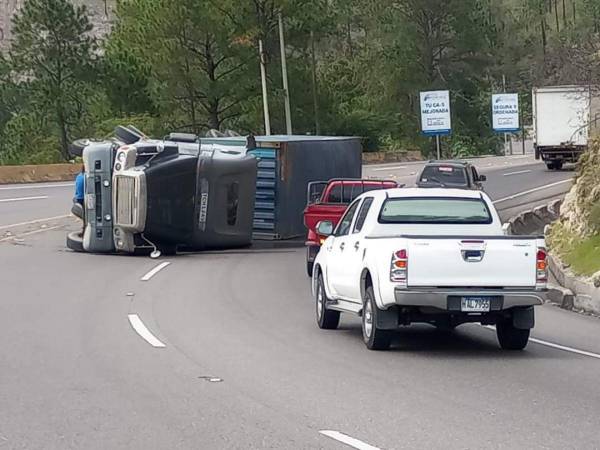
{"points": [[399, 267], [541, 268]]}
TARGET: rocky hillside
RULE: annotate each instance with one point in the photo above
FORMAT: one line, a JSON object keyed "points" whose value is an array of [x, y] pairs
{"points": [[101, 14], [575, 237]]}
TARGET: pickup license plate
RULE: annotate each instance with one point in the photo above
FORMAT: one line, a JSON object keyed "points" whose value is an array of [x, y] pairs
{"points": [[475, 304]]}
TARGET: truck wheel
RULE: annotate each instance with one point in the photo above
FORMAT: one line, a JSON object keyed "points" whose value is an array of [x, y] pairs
{"points": [[511, 338], [374, 338], [326, 319], [75, 241], [550, 166], [558, 165]]}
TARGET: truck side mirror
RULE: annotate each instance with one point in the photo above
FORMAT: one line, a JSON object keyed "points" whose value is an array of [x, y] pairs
{"points": [[482, 178], [325, 228]]}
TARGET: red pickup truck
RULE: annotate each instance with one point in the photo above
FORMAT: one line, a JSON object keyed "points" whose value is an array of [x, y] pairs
{"points": [[328, 200]]}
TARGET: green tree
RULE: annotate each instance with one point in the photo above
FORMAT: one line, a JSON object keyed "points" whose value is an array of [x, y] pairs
{"points": [[52, 54], [197, 69]]}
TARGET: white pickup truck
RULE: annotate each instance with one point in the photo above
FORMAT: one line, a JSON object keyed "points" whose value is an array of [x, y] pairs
{"points": [[436, 256]]}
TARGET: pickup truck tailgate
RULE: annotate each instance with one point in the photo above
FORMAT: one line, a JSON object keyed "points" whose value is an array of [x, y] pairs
{"points": [[472, 262]]}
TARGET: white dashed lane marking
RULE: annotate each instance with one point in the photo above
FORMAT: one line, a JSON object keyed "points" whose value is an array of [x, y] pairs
{"points": [[520, 172], [348, 440], [154, 271], [144, 333]]}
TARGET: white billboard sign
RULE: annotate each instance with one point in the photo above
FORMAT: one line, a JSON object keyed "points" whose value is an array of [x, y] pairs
{"points": [[435, 112], [505, 112]]}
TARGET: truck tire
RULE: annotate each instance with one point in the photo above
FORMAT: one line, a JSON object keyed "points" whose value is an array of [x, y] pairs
{"points": [[558, 165], [550, 166], [326, 319], [511, 338], [75, 241], [374, 338]]}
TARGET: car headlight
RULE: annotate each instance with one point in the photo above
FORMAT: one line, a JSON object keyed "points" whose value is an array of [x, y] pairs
{"points": [[121, 157]]}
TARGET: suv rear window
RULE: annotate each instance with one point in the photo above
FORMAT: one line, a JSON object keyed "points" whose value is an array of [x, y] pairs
{"points": [[429, 210], [444, 175]]}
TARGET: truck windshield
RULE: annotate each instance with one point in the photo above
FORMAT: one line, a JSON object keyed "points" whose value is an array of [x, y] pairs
{"points": [[435, 210]]}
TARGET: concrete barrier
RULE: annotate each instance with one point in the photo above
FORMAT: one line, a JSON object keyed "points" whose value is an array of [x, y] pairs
{"points": [[584, 295], [573, 293], [535, 220], [38, 173]]}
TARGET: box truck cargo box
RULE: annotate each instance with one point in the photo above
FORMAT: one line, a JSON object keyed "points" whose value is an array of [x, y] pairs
{"points": [[286, 165]]}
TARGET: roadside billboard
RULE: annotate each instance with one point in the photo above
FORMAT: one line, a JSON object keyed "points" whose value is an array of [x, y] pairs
{"points": [[505, 113], [435, 113]]}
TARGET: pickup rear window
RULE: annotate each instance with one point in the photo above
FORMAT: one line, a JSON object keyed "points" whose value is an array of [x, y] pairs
{"points": [[444, 175], [442, 210]]}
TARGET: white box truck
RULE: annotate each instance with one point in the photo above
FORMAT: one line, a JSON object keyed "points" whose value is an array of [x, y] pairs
{"points": [[561, 120]]}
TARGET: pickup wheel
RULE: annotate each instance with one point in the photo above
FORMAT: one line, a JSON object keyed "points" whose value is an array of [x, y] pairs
{"points": [[326, 319], [550, 166], [511, 338], [374, 338]]}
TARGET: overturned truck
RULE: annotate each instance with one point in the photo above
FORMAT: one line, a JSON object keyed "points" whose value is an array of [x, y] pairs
{"points": [[145, 196]]}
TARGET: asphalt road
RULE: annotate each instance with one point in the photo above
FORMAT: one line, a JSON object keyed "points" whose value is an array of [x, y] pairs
{"points": [[221, 350]]}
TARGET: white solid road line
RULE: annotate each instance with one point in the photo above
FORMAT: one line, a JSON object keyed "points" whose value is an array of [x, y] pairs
{"points": [[29, 233], [531, 191], [144, 333], [556, 346], [47, 186], [154, 271], [22, 199], [31, 222], [516, 173], [345, 439]]}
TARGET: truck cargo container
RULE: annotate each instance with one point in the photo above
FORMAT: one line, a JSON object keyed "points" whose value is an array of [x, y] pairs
{"points": [[561, 121], [286, 165]]}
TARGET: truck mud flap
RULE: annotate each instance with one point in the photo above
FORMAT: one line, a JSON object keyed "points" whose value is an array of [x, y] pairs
{"points": [[387, 319], [523, 318]]}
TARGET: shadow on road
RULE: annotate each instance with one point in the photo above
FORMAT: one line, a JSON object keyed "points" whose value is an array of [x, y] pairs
{"points": [[431, 342]]}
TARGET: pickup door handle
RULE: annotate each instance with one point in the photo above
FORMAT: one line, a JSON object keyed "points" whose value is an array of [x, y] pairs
{"points": [[342, 246], [356, 245]]}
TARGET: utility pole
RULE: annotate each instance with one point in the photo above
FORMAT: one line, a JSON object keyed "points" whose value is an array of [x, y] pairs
{"points": [[284, 76], [438, 146], [263, 78]]}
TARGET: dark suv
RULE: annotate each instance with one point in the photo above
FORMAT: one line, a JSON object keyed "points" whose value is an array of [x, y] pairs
{"points": [[450, 174]]}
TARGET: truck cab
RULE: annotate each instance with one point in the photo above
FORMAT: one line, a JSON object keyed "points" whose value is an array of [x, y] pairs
{"points": [[161, 195]]}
